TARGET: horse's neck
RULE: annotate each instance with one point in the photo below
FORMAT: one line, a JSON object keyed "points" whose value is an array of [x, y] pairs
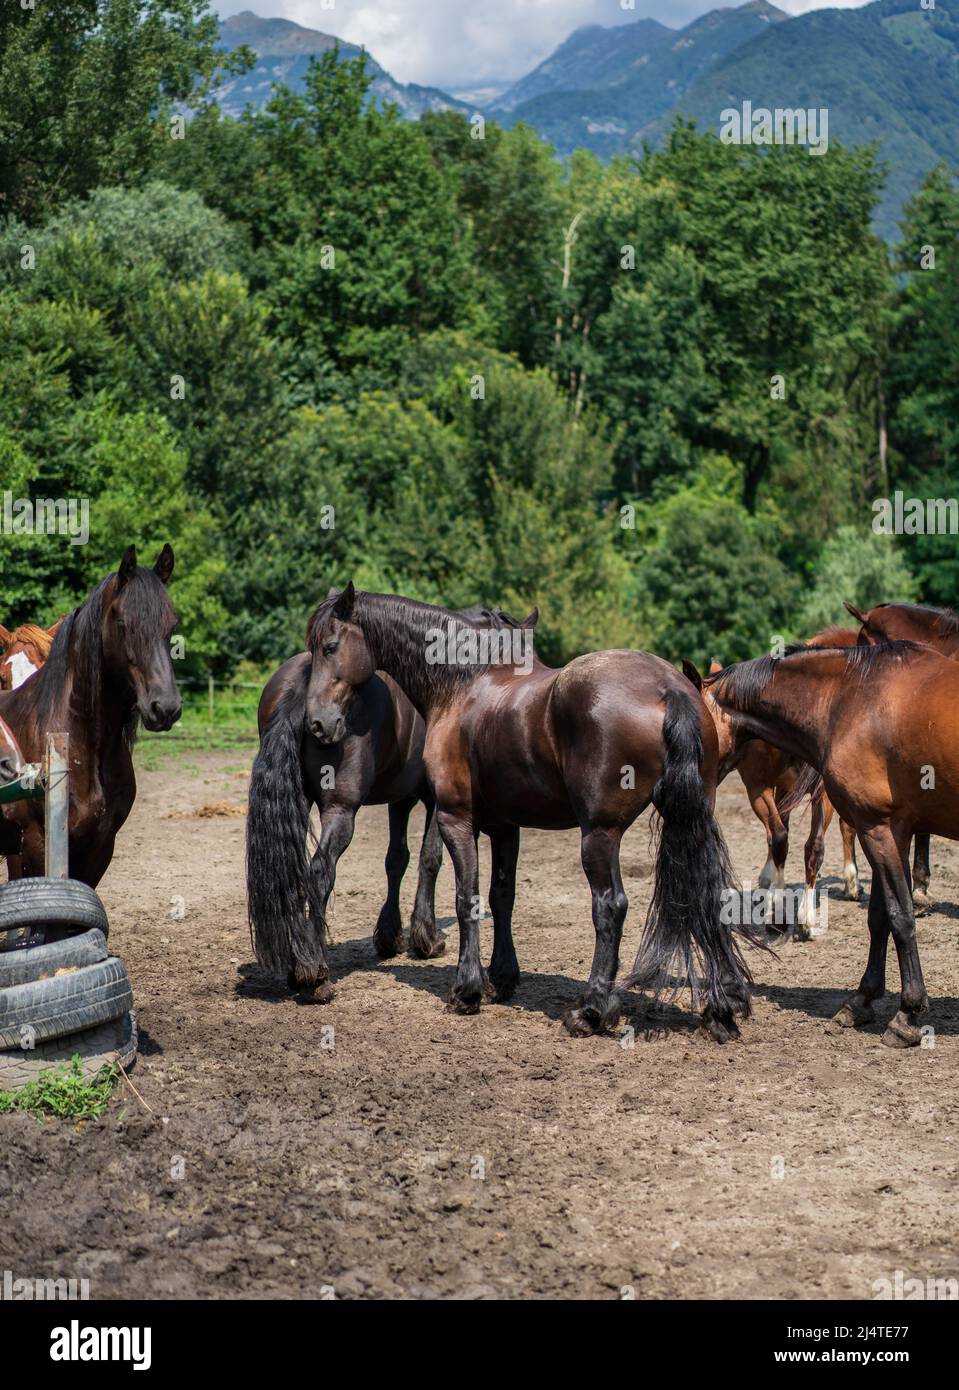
{"points": [[793, 709], [397, 646], [99, 725]]}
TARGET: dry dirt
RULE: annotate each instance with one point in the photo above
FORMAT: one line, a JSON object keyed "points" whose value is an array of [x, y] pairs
{"points": [[379, 1147]]}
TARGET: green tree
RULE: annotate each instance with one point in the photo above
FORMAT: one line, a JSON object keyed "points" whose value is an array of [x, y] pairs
{"points": [[87, 88]]}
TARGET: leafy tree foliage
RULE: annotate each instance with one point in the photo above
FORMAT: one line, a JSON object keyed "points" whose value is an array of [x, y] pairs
{"points": [[320, 342]]}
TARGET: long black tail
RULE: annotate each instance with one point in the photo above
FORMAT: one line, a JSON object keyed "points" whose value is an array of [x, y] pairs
{"points": [[277, 866], [685, 935]]}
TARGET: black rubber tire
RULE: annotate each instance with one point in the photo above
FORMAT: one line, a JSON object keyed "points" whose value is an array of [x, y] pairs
{"points": [[115, 1041], [51, 902], [42, 962], [65, 1003]]}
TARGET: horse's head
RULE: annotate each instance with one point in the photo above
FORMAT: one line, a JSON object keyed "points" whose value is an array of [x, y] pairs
{"points": [[340, 664], [24, 652], [137, 622]]}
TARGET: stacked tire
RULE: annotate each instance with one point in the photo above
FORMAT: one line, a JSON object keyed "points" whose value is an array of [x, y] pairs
{"points": [[62, 994]]}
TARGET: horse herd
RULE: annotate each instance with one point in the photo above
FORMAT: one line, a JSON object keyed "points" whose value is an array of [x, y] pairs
{"points": [[864, 720]]}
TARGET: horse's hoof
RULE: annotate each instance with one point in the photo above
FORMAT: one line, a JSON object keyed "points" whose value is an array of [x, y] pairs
{"points": [[427, 948], [901, 1034], [504, 987], [720, 1030], [388, 948], [464, 1000], [852, 891], [853, 1015], [921, 902], [320, 993], [583, 1022]]}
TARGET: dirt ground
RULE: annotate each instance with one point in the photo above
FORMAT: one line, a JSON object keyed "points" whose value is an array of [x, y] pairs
{"points": [[379, 1147]]}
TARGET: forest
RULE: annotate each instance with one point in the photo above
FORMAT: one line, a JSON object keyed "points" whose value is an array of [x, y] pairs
{"points": [[657, 397]]}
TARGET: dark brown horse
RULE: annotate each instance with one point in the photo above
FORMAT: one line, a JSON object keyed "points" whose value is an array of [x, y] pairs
{"points": [[512, 743], [362, 746], [769, 775], [109, 667], [881, 723], [933, 627]]}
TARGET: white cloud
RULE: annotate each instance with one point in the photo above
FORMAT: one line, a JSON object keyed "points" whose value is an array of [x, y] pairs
{"points": [[455, 43]]}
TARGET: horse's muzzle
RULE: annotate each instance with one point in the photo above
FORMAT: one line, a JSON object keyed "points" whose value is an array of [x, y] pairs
{"points": [[161, 715]]}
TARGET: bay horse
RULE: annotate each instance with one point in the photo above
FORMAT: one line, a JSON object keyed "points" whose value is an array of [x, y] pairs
{"points": [[108, 669], [933, 627], [368, 752], [24, 650], [769, 775], [511, 742], [881, 725]]}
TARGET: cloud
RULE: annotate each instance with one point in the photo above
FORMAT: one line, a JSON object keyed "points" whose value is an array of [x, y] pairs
{"points": [[458, 43]]}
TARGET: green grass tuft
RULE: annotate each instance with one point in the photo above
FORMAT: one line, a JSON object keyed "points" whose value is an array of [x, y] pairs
{"points": [[63, 1091]]}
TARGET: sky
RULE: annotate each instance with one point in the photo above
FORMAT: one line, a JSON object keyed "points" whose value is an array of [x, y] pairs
{"points": [[463, 43]]}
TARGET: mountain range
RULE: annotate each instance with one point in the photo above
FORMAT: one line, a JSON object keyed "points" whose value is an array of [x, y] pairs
{"points": [[283, 52], [888, 72]]}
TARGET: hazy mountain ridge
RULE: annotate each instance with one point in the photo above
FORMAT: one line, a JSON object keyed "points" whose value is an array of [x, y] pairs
{"points": [[284, 50], [888, 72]]}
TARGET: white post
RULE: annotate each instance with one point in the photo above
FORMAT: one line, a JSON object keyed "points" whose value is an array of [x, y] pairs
{"points": [[57, 807]]}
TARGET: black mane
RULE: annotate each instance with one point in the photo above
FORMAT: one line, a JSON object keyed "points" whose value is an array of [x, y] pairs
{"points": [[741, 686], [397, 631]]}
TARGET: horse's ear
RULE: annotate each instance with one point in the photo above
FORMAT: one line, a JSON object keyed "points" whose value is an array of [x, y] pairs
{"points": [[857, 613], [164, 564], [127, 566], [5, 635], [52, 631], [532, 620], [343, 607], [692, 674], [715, 667]]}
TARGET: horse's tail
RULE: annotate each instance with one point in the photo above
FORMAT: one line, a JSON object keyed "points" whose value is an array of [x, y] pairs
{"points": [[808, 783], [693, 881], [278, 821]]}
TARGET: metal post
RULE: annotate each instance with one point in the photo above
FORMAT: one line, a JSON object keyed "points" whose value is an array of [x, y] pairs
{"points": [[57, 807]]}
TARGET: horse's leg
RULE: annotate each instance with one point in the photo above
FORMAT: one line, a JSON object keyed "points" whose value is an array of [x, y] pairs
{"points": [[425, 940], [503, 966], [920, 874], [599, 1007], [850, 869], [310, 975], [820, 816], [472, 982], [903, 1030], [772, 879], [773, 872], [388, 933], [858, 1007]]}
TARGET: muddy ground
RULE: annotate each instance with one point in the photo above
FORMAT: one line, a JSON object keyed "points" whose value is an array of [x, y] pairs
{"points": [[382, 1148]]}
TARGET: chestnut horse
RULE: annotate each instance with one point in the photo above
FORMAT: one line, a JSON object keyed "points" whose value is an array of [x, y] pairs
{"points": [[768, 775], [369, 753], [25, 649], [933, 627], [881, 723], [511, 743], [109, 667]]}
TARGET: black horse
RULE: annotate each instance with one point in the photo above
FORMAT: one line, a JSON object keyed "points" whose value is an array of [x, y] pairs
{"points": [[510, 742], [363, 746]]}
